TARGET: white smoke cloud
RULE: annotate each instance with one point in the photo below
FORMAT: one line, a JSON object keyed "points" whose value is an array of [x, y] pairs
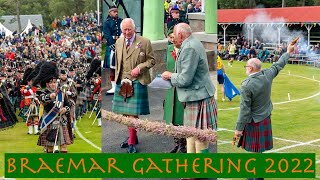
{"points": [[266, 29]]}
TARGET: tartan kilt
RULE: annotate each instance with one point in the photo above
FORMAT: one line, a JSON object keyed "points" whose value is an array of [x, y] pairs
{"points": [[138, 104], [64, 138], [257, 137], [201, 114]]}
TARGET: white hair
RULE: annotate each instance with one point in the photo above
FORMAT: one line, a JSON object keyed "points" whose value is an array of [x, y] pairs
{"points": [[130, 20], [183, 28]]}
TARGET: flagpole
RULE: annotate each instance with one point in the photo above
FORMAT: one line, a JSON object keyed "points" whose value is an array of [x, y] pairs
{"points": [[98, 12]]}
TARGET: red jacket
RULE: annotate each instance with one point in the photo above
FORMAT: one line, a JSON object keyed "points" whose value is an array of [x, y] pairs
{"points": [[27, 95]]}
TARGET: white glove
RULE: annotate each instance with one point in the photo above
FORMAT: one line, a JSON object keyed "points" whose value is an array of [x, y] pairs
{"points": [[69, 93]]}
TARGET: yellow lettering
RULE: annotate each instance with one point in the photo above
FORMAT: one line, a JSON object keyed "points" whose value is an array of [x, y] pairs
{"points": [[95, 165], [221, 165], [185, 165], [44, 165], [194, 165], [207, 163], [58, 165], [11, 162], [112, 162], [246, 166], [24, 162], [134, 166], [81, 162], [153, 166], [235, 166], [167, 164]]}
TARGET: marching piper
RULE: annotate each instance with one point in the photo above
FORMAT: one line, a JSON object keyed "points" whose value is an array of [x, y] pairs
{"points": [[56, 123]]}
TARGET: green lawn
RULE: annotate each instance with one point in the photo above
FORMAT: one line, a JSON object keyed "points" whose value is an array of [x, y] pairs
{"points": [[16, 140], [293, 123]]}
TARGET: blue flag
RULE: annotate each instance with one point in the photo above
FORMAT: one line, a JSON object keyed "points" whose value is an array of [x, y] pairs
{"points": [[53, 113], [229, 89]]}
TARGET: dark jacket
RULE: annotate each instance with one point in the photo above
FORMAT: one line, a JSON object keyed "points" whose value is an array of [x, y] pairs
{"points": [[111, 29]]}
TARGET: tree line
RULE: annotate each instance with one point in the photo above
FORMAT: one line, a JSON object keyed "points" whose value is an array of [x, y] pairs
{"points": [[49, 9]]}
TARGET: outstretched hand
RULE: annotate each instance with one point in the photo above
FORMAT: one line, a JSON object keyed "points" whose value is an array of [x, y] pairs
{"points": [[290, 48]]}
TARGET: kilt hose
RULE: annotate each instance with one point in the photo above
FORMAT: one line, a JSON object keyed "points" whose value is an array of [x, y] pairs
{"points": [[200, 114], [136, 105], [257, 137]]}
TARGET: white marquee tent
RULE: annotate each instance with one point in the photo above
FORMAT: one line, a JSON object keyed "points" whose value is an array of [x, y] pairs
{"points": [[5, 30], [28, 27]]}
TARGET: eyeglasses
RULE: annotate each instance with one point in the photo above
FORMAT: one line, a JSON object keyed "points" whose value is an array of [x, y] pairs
{"points": [[247, 66]]}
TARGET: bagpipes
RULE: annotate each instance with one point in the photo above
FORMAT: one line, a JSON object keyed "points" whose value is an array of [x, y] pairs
{"points": [[52, 115], [98, 88]]}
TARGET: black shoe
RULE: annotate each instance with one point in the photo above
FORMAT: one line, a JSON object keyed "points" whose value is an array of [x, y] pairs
{"points": [[182, 146], [132, 149], [176, 147], [74, 136], [56, 151], [124, 144]]}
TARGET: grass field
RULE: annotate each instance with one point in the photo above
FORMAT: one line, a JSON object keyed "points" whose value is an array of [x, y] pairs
{"points": [[295, 123], [16, 140]]}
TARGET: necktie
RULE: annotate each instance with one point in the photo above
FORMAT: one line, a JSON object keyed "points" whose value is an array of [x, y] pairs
{"points": [[128, 43]]}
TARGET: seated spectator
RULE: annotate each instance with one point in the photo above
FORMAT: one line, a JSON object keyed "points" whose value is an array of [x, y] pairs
{"points": [[263, 55], [243, 54], [252, 53], [277, 54]]}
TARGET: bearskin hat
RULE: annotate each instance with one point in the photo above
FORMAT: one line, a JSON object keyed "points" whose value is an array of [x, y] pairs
{"points": [[26, 74], [63, 71], [47, 72], [36, 71], [94, 65]]}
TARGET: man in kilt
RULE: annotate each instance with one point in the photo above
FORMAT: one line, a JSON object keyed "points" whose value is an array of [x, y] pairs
{"points": [[254, 120], [134, 59], [194, 86], [31, 105], [71, 94], [111, 32], [56, 123]]}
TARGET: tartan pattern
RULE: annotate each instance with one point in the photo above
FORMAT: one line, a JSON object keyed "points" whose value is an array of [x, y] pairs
{"points": [[201, 114], [138, 104], [257, 137], [63, 138]]}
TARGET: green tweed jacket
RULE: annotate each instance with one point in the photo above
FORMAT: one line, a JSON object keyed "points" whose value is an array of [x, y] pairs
{"points": [[255, 102], [192, 77]]}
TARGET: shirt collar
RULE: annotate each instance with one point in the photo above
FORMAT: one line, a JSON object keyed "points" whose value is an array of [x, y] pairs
{"points": [[131, 39], [253, 73]]}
